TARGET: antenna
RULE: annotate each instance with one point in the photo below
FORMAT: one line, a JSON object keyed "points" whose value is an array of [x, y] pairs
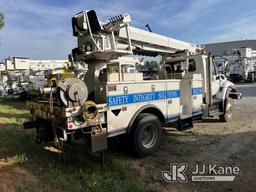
{"points": [[149, 29]]}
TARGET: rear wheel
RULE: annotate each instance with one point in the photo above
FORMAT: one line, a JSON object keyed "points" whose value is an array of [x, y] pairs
{"points": [[228, 109], [146, 133], [43, 131]]}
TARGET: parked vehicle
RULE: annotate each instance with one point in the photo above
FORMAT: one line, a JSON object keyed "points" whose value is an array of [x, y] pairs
{"points": [[114, 100], [240, 66]]}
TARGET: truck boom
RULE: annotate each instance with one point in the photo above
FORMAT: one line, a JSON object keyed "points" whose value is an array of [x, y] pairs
{"points": [[117, 38]]}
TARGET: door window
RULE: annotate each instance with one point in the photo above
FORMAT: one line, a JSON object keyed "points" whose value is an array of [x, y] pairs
{"points": [[214, 68], [191, 65], [214, 71]]}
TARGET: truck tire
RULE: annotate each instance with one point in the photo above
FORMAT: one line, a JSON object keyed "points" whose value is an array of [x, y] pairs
{"points": [[146, 133], [251, 77], [228, 108], [43, 131]]}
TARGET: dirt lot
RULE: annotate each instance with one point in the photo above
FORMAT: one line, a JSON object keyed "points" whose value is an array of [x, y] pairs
{"points": [[26, 167]]}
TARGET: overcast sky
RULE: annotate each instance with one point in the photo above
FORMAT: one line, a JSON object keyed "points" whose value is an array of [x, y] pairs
{"points": [[41, 29]]}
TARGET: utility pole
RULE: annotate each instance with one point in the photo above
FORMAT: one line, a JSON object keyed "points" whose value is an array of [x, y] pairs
{"points": [[1, 20]]}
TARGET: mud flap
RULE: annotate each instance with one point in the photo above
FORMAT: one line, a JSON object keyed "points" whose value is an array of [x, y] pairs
{"points": [[99, 140], [29, 125]]}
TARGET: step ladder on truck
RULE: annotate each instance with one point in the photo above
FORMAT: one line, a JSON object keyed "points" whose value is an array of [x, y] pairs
{"points": [[114, 100]]}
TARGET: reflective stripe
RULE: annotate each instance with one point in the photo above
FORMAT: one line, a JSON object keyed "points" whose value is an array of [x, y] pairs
{"points": [[141, 97], [197, 91]]}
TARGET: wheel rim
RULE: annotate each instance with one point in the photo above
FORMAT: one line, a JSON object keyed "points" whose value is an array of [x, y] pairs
{"points": [[229, 108], [149, 136]]}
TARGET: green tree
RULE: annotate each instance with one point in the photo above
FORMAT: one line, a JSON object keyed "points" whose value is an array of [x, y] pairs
{"points": [[1, 20]]}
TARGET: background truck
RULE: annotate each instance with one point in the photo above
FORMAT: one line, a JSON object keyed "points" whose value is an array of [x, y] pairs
{"points": [[241, 64], [19, 75], [114, 100]]}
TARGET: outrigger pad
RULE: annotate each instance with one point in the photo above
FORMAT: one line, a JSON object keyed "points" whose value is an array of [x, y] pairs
{"points": [[78, 21], [94, 22], [99, 141]]}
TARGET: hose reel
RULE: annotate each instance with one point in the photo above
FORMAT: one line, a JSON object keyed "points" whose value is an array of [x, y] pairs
{"points": [[73, 92], [90, 111]]}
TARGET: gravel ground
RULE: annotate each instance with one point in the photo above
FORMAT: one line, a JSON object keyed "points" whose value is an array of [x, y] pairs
{"points": [[209, 142]]}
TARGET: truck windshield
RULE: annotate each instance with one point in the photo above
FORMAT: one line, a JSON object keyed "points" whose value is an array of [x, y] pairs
{"points": [[214, 69]]}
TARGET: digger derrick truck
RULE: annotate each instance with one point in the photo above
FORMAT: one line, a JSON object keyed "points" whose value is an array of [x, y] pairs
{"points": [[114, 99], [241, 64]]}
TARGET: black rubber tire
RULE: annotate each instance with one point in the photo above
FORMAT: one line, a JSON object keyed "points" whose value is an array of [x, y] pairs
{"points": [[44, 131], [228, 114], [251, 77], [142, 122]]}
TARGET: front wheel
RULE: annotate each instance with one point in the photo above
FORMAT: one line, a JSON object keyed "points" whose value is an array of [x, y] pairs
{"points": [[146, 133], [251, 77], [228, 110]]}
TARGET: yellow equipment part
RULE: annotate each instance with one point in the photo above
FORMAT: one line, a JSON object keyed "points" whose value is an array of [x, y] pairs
{"points": [[67, 73], [90, 111], [59, 75]]}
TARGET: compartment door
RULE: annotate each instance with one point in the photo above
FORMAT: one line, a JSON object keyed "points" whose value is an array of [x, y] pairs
{"points": [[197, 97], [185, 98], [173, 100]]}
